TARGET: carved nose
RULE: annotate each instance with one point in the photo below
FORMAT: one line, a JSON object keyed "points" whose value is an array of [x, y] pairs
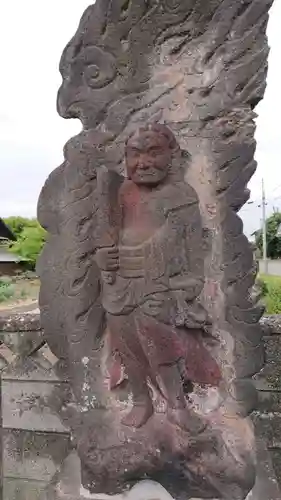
{"points": [[143, 163]]}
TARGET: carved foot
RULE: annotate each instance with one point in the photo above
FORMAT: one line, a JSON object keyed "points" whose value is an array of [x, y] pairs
{"points": [[186, 420], [139, 415]]}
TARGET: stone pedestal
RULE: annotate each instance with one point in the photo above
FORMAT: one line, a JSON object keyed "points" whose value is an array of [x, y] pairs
{"points": [[67, 484]]}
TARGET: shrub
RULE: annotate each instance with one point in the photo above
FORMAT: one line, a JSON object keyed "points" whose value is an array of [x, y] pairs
{"points": [[30, 240], [272, 297], [29, 245], [262, 286], [7, 290]]}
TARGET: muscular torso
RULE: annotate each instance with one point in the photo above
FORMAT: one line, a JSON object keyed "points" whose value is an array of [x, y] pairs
{"points": [[152, 242], [141, 215]]}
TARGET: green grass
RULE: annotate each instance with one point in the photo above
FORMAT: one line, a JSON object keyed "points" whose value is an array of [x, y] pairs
{"points": [[7, 289], [16, 290], [272, 296]]}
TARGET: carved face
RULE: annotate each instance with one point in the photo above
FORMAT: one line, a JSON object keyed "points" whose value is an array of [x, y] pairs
{"points": [[148, 156]]}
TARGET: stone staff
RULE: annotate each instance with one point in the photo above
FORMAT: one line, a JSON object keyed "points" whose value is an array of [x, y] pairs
{"points": [[109, 213]]}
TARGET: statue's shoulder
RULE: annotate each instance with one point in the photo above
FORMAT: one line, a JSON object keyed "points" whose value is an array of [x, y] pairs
{"points": [[127, 190], [179, 195]]}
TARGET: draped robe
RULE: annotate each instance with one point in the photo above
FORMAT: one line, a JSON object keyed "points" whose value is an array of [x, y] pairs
{"points": [[160, 258]]}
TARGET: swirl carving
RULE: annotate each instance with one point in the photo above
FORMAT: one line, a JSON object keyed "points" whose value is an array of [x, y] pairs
{"points": [[100, 67], [174, 6]]}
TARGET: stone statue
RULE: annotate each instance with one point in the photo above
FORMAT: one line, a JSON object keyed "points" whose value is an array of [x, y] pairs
{"points": [[146, 278], [152, 275]]}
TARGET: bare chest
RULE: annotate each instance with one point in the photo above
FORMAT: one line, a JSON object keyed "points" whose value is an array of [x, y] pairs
{"points": [[141, 218]]}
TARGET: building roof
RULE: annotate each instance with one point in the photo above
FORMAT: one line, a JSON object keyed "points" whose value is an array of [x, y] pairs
{"points": [[5, 232]]}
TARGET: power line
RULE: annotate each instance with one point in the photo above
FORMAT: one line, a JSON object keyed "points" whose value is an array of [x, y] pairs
{"points": [[264, 243], [259, 200], [276, 198], [279, 185]]}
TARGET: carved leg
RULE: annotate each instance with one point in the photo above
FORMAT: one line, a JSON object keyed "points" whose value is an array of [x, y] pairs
{"points": [[125, 341], [178, 411], [142, 408]]}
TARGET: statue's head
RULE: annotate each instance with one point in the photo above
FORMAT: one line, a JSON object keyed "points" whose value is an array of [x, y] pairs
{"points": [[149, 153]]}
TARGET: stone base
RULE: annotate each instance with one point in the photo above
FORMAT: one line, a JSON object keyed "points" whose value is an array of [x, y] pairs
{"points": [[266, 487], [68, 487], [67, 484]]}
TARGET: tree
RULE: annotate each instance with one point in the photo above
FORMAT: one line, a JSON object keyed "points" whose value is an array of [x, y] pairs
{"points": [[30, 239], [273, 240], [17, 224]]}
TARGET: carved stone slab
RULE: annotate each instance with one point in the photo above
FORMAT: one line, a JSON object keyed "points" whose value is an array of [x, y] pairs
{"points": [[147, 277]]}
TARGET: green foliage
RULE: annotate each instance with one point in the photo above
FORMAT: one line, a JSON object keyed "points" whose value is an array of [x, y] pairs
{"points": [[29, 245], [273, 241], [272, 297], [262, 285], [18, 224], [30, 239], [6, 289]]}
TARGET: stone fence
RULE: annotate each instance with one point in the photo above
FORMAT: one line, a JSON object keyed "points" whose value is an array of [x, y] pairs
{"points": [[36, 440], [267, 417]]}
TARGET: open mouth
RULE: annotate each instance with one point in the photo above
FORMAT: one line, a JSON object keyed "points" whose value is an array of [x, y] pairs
{"points": [[148, 172]]}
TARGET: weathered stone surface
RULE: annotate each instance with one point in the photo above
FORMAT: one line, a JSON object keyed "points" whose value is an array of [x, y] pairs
{"points": [[271, 324], [268, 427], [67, 484], [33, 455], [158, 335], [20, 323], [33, 405], [22, 342], [20, 336], [266, 486], [199, 68], [276, 460], [22, 489], [269, 378], [34, 369], [32, 397], [269, 402], [54, 446]]}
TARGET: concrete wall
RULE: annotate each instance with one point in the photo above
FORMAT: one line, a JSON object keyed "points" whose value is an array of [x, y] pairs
{"points": [[35, 440], [267, 417], [273, 267], [35, 435]]}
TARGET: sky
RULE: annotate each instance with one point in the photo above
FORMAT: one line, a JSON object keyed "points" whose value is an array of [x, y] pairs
{"points": [[32, 36]]}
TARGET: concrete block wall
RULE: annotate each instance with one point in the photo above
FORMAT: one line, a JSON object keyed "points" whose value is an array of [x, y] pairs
{"points": [[267, 417], [35, 440]]}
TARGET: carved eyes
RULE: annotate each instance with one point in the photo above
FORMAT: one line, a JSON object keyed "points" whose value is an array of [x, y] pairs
{"points": [[153, 152], [100, 67], [132, 152]]}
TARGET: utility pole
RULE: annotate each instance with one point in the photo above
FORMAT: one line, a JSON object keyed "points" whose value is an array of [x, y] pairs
{"points": [[264, 243]]}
